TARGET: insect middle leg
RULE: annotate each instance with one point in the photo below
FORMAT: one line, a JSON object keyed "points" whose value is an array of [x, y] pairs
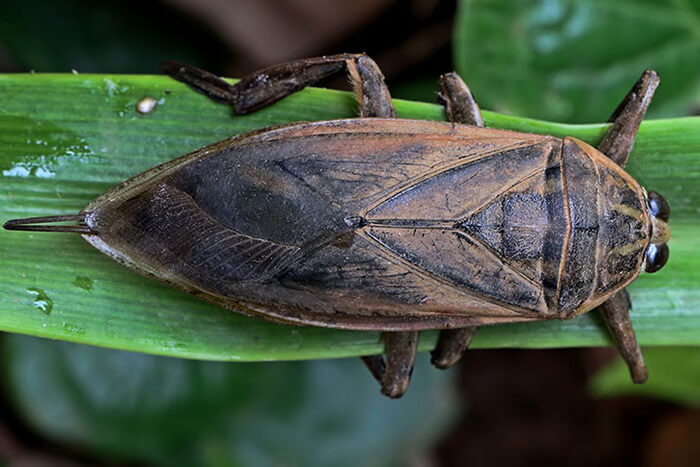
{"points": [[461, 107], [267, 86]]}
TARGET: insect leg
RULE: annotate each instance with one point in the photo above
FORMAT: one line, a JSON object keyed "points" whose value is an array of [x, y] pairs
{"points": [[460, 105], [395, 374], [616, 312], [452, 343], [619, 139], [267, 86]]}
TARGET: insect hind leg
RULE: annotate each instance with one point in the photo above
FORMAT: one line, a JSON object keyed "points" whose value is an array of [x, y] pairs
{"points": [[394, 373], [267, 86], [619, 139]]}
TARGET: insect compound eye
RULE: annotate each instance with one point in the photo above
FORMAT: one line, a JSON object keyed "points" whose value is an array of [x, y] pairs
{"points": [[658, 206], [657, 255]]}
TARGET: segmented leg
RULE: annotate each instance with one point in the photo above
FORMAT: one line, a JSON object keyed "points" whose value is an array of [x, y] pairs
{"points": [[616, 312], [461, 107], [617, 145], [394, 373], [619, 139], [458, 100], [451, 345], [267, 86]]}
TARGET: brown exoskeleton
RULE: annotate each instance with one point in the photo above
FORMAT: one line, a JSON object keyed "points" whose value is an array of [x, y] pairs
{"points": [[377, 223]]}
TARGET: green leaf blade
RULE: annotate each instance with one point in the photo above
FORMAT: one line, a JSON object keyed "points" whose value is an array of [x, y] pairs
{"points": [[64, 139]]}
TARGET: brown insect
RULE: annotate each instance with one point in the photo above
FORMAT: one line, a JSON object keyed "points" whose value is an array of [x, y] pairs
{"points": [[376, 223]]}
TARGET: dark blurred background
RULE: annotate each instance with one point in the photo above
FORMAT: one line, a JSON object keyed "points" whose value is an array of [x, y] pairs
{"points": [[568, 61]]}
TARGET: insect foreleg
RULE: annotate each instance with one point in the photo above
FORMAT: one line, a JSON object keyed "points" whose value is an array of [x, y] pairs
{"points": [[616, 312], [619, 139], [617, 145]]}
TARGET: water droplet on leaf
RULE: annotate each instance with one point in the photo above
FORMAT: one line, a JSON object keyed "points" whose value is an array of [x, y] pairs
{"points": [[146, 105], [41, 300], [83, 282]]}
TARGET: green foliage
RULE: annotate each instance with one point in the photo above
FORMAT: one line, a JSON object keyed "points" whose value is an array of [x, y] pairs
{"points": [[64, 139], [571, 61], [67, 138], [127, 406], [674, 376]]}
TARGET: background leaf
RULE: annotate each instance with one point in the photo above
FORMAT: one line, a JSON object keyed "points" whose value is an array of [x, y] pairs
{"points": [[562, 59], [674, 376], [129, 406], [67, 138]]}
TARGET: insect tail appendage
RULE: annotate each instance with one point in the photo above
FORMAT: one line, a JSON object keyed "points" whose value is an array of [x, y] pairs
{"points": [[38, 224]]}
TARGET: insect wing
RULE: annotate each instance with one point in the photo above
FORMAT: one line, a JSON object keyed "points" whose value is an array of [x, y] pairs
{"points": [[269, 221]]}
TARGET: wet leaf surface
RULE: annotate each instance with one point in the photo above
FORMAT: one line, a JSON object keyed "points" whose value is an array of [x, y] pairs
{"points": [[67, 138]]}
